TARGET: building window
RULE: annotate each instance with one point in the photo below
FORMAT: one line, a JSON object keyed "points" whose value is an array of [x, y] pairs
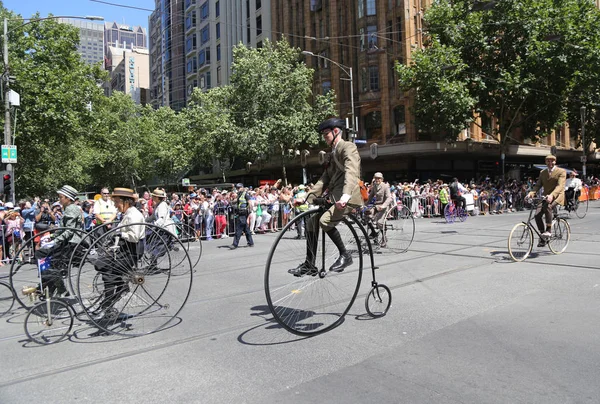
{"points": [[399, 28], [326, 87], [202, 82], [258, 25], [217, 9], [218, 29], [192, 66], [208, 55], [204, 35], [208, 80], [204, 11], [190, 43], [374, 78], [248, 33], [201, 58], [219, 76], [259, 45], [361, 8], [218, 52], [258, 4], [372, 35], [361, 38], [371, 9]]}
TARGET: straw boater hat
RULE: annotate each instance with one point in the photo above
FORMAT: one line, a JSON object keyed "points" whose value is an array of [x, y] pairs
{"points": [[378, 175], [550, 157], [68, 191], [159, 193], [124, 193]]}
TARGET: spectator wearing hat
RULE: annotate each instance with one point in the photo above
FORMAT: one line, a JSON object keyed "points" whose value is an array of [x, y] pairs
{"points": [[381, 198], [105, 211], [573, 187], [162, 212], [241, 223], [552, 180], [115, 265]]}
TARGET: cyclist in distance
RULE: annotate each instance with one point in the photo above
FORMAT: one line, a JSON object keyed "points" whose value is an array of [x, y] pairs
{"points": [[456, 191], [572, 189], [381, 198], [341, 178], [552, 179]]}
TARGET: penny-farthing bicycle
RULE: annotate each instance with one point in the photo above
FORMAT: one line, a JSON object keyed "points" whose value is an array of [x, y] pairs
{"points": [[317, 302]]}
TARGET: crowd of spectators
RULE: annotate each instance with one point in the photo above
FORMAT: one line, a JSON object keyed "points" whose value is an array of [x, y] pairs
{"points": [[211, 212]]}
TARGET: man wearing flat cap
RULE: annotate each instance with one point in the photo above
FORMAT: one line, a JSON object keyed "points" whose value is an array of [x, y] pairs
{"points": [[552, 180], [381, 198]]}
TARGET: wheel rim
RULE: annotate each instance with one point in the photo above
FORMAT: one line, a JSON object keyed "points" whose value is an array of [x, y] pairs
{"points": [[560, 236], [49, 328], [520, 242], [378, 301], [400, 232], [309, 305]]}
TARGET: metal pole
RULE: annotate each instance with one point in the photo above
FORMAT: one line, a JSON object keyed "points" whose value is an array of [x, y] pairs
{"points": [[354, 128], [583, 160], [7, 134]]}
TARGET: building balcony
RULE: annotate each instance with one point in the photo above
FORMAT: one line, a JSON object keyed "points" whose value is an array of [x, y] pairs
{"points": [[189, 4]]}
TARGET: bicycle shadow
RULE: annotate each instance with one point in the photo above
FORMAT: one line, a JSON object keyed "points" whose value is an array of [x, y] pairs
{"points": [[272, 333], [505, 258]]}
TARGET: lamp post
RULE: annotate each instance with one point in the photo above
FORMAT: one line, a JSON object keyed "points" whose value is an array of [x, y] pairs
{"points": [[6, 75], [582, 110], [348, 71]]}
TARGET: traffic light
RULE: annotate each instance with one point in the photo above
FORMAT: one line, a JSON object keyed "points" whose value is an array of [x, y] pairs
{"points": [[7, 185]]}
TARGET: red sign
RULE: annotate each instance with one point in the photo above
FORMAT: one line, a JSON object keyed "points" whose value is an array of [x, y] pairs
{"points": [[266, 182]]}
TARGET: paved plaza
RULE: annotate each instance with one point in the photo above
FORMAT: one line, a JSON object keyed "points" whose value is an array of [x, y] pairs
{"points": [[467, 325]]}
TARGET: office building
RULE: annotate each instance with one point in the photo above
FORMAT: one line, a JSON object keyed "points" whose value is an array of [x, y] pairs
{"points": [[129, 73], [212, 29], [91, 39], [167, 58]]}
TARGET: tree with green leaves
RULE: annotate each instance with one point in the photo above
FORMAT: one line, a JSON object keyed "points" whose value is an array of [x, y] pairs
{"points": [[498, 58], [270, 103], [56, 89]]}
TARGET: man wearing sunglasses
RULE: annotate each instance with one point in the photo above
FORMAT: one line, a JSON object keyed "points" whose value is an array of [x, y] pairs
{"points": [[340, 178], [105, 210]]}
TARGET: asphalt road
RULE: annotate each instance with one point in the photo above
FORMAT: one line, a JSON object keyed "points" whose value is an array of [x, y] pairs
{"points": [[467, 325]]}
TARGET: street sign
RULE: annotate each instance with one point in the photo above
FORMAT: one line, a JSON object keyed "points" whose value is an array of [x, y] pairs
{"points": [[360, 141], [583, 159], [185, 181], [9, 154]]}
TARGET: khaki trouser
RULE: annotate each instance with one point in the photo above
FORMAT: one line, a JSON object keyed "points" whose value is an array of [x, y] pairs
{"points": [[329, 219]]}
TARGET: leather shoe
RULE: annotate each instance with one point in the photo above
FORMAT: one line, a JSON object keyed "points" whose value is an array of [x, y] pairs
{"points": [[232, 247], [541, 243], [342, 262], [303, 269]]}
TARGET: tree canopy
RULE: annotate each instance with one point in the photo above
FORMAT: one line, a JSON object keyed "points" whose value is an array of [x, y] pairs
{"points": [[531, 64]]}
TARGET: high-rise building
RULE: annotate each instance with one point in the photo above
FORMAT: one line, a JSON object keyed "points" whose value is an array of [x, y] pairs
{"points": [[91, 39], [167, 57], [212, 29], [124, 36]]}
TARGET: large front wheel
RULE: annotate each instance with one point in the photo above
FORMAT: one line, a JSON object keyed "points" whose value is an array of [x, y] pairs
{"points": [[520, 242], [316, 301]]}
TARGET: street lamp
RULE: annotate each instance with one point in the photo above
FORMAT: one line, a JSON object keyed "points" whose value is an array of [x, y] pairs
{"points": [[582, 110], [6, 75], [348, 71]]}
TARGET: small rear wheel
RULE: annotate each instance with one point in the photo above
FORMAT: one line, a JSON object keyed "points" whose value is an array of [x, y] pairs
{"points": [[520, 242], [561, 234], [462, 214], [378, 301], [49, 322], [400, 232]]}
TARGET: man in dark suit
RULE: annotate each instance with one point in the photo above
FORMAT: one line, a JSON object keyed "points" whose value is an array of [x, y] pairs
{"points": [[341, 179], [552, 179]]}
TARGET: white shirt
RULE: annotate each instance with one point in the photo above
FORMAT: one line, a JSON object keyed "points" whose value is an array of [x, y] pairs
{"points": [[573, 183], [133, 234], [163, 217]]}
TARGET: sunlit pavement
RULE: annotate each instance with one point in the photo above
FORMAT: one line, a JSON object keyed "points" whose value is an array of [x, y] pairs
{"points": [[467, 325]]}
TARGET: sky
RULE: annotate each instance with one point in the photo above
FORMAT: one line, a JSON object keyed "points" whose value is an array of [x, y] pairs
{"points": [[85, 7]]}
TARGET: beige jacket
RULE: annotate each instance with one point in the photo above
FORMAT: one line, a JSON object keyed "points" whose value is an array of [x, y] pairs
{"points": [[341, 174], [553, 184], [381, 193]]}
